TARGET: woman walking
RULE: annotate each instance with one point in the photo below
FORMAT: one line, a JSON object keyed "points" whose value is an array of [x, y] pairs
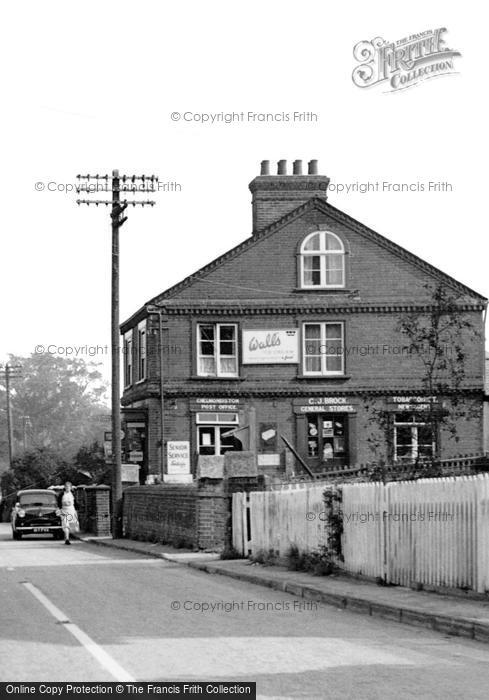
{"points": [[69, 517]]}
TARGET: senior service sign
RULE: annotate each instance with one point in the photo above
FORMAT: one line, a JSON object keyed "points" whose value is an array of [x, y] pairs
{"points": [[265, 347]]}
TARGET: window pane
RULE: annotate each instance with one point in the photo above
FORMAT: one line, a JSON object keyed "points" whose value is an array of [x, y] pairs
{"points": [[334, 269], [333, 331], [312, 270], [207, 442], [334, 261], [206, 332], [207, 365], [227, 417], [313, 347], [226, 348], [206, 417], [313, 364], [227, 332], [334, 363], [425, 451], [404, 435], [206, 348], [312, 331], [334, 278], [227, 365], [313, 242], [333, 242], [404, 452]]}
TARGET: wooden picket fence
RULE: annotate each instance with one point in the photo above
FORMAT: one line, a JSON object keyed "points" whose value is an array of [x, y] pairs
{"points": [[275, 519], [431, 531]]}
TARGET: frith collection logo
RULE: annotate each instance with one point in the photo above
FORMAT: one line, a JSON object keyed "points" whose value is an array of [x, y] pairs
{"points": [[403, 63]]}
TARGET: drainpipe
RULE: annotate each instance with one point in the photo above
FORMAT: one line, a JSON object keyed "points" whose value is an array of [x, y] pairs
{"points": [[161, 328], [162, 398]]}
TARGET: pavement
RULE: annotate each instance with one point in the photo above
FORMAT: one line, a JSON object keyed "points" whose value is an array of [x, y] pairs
{"points": [[442, 613], [124, 612]]}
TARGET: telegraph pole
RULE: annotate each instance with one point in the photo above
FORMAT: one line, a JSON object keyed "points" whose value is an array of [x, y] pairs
{"points": [[117, 184], [10, 372]]}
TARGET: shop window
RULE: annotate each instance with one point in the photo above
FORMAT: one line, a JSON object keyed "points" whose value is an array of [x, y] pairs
{"points": [[128, 359], [323, 349], [215, 433], [413, 438], [142, 351], [322, 261], [217, 352], [326, 439]]}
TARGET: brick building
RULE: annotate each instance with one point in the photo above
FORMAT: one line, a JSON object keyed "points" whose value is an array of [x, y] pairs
{"points": [[293, 334]]}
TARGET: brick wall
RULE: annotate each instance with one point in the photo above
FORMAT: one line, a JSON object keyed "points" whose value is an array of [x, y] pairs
{"points": [[213, 514], [97, 510], [164, 513], [196, 516]]}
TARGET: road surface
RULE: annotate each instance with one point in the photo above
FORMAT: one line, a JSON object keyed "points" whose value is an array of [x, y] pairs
{"points": [[90, 613]]}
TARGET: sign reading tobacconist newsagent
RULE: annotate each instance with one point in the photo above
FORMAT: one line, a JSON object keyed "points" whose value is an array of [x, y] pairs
{"points": [[264, 347]]}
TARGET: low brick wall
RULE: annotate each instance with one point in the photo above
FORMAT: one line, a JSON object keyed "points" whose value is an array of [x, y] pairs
{"points": [[197, 516], [162, 513]]}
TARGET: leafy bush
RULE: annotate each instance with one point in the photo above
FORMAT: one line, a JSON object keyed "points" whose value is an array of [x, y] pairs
{"points": [[318, 562], [264, 557], [230, 553]]}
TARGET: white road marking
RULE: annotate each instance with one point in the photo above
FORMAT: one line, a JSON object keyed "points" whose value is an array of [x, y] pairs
{"points": [[44, 563], [104, 659]]}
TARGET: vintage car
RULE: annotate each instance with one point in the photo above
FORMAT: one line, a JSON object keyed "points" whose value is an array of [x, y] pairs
{"points": [[36, 512]]}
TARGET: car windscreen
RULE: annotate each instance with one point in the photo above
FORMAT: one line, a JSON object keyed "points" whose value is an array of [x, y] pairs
{"points": [[27, 500]]}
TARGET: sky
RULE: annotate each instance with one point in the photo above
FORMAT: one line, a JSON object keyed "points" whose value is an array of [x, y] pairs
{"points": [[93, 86]]}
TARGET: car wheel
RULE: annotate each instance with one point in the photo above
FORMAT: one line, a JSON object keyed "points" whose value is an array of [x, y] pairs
{"points": [[16, 535]]}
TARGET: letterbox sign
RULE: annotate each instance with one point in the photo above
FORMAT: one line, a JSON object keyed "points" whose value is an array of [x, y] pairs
{"points": [[269, 347], [325, 404], [178, 456]]}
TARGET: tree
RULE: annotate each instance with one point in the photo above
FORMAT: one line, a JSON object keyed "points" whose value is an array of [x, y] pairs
{"points": [[437, 338], [90, 462], [38, 468], [61, 399]]}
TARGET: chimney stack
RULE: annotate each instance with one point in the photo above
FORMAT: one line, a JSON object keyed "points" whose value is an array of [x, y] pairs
{"points": [[298, 167], [273, 196], [313, 167]]}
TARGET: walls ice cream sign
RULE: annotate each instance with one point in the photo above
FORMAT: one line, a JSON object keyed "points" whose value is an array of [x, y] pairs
{"points": [[403, 63]]}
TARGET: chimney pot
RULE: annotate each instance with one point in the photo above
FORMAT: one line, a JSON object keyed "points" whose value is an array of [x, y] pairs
{"points": [[313, 167], [297, 167], [282, 167], [265, 167]]}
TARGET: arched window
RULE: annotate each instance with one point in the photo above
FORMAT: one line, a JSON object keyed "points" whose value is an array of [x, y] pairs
{"points": [[322, 261]]}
